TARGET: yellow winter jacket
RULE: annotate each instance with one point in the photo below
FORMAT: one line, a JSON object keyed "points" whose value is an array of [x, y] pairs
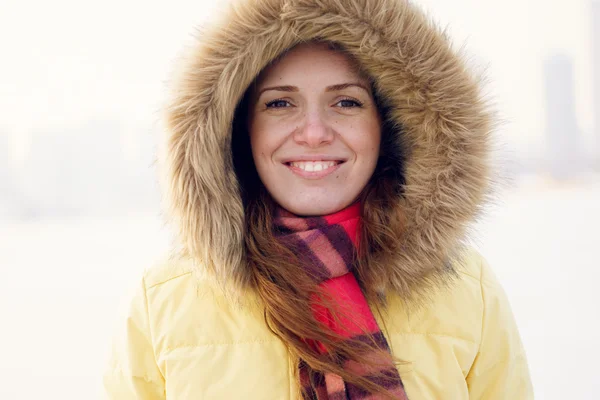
{"points": [[447, 316], [182, 339]]}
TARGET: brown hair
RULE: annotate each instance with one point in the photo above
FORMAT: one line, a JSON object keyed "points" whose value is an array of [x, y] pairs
{"points": [[284, 287]]}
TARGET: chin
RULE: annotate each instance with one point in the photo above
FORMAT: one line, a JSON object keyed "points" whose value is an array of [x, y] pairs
{"points": [[315, 207]]}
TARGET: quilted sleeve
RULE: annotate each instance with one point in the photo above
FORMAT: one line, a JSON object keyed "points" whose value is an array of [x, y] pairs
{"points": [[500, 370], [132, 373]]}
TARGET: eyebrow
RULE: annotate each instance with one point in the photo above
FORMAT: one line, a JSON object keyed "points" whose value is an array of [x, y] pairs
{"points": [[342, 86], [332, 88]]}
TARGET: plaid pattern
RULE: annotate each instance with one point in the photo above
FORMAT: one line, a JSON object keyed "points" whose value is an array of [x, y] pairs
{"points": [[326, 247]]}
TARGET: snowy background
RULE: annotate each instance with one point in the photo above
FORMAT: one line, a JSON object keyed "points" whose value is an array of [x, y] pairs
{"points": [[81, 85]]}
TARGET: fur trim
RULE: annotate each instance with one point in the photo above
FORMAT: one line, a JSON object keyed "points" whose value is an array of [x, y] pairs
{"points": [[430, 91]]}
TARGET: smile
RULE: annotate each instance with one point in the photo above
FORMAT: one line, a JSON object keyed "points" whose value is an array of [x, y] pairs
{"points": [[311, 166], [313, 169]]}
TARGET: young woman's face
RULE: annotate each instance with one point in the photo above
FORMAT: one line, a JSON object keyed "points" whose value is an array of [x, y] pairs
{"points": [[315, 130]]}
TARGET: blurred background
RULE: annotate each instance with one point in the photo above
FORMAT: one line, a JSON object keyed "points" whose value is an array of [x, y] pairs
{"points": [[81, 87]]}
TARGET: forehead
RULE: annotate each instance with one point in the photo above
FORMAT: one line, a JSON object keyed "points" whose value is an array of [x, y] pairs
{"points": [[309, 61]]}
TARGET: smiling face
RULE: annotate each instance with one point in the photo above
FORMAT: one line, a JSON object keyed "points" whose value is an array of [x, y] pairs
{"points": [[314, 130]]}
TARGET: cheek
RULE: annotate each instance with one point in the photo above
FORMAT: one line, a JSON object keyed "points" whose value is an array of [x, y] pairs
{"points": [[366, 139], [267, 135], [258, 138], [255, 145]]}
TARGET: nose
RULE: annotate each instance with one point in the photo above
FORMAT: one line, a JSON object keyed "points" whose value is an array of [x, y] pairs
{"points": [[315, 131]]}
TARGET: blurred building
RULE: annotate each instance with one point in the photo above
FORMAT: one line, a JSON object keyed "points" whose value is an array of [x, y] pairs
{"points": [[6, 199], [562, 132], [596, 71]]}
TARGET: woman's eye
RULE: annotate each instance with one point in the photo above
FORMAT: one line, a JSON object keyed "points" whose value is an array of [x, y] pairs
{"points": [[349, 103], [277, 104]]}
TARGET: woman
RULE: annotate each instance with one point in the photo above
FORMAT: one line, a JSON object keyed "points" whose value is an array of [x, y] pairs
{"points": [[325, 159]]}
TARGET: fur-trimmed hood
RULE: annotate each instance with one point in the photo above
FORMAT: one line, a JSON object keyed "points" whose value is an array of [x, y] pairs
{"points": [[430, 92]]}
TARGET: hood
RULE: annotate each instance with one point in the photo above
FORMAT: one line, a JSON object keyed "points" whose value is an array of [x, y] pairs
{"points": [[430, 92]]}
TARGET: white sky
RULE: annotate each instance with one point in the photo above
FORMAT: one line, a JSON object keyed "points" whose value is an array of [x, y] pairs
{"points": [[65, 61]]}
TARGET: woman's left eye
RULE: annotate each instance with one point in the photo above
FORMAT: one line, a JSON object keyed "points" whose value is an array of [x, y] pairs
{"points": [[349, 103]]}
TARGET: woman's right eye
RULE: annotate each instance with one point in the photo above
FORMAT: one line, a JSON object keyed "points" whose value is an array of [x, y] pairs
{"points": [[277, 104]]}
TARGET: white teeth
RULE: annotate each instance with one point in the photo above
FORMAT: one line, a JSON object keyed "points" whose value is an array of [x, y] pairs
{"points": [[313, 166]]}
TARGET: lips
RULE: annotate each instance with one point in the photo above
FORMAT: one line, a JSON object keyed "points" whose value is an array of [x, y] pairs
{"points": [[313, 169]]}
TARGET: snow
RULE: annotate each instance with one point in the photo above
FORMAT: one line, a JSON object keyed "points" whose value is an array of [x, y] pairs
{"points": [[63, 280]]}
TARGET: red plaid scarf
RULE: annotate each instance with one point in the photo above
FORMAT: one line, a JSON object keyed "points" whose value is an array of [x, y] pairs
{"points": [[326, 247]]}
